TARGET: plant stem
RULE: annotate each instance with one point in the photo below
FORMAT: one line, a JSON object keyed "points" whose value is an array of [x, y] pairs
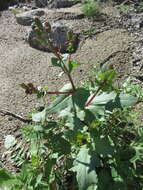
{"points": [[57, 93], [71, 80], [68, 74], [99, 88], [58, 55], [90, 100]]}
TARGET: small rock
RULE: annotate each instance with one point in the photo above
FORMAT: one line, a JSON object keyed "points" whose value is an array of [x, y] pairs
{"points": [[40, 3], [54, 3], [10, 118], [33, 8], [25, 8], [60, 3], [11, 8], [27, 17]]}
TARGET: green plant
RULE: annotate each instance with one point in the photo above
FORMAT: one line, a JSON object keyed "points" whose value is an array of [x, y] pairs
{"points": [[135, 90], [89, 33], [91, 8], [89, 146], [124, 9]]}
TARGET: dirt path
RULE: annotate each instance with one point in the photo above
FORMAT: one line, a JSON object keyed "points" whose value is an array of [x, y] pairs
{"points": [[20, 63]]}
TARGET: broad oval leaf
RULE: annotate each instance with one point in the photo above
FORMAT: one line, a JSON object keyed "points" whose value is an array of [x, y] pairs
{"points": [[111, 101], [78, 98], [55, 62], [61, 101], [97, 109], [85, 166], [39, 117], [103, 146], [104, 98], [72, 65], [120, 101], [127, 100]]}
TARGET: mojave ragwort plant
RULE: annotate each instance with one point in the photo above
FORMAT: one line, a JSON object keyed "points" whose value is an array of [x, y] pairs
{"points": [[90, 145]]}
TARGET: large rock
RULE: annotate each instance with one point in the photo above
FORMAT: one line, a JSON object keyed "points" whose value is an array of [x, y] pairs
{"points": [[58, 35], [27, 17]]}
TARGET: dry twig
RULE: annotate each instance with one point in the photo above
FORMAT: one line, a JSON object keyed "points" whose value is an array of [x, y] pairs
{"points": [[25, 120]]}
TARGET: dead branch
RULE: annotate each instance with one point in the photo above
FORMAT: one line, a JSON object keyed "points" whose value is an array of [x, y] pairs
{"points": [[16, 116]]}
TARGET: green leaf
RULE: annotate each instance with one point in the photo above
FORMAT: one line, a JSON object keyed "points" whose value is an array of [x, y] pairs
{"points": [[61, 101], [35, 161], [104, 98], [103, 146], [38, 128], [105, 180], [81, 115], [104, 67], [127, 100], [56, 62], [96, 110], [39, 23], [48, 167], [108, 75], [60, 145], [72, 65], [120, 101], [70, 35], [73, 123], [38, 179], [65, 56], [6, 179], [111, 101], [34, 148], [98, 104], [78, 99], [92, 187], [65, 113], [39, 117], [85, 166]]}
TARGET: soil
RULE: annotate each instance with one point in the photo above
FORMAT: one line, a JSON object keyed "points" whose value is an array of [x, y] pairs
{"points": [[19, 63]]}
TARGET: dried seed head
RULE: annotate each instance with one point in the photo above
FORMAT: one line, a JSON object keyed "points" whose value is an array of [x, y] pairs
{"points": [[47, 27]]}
